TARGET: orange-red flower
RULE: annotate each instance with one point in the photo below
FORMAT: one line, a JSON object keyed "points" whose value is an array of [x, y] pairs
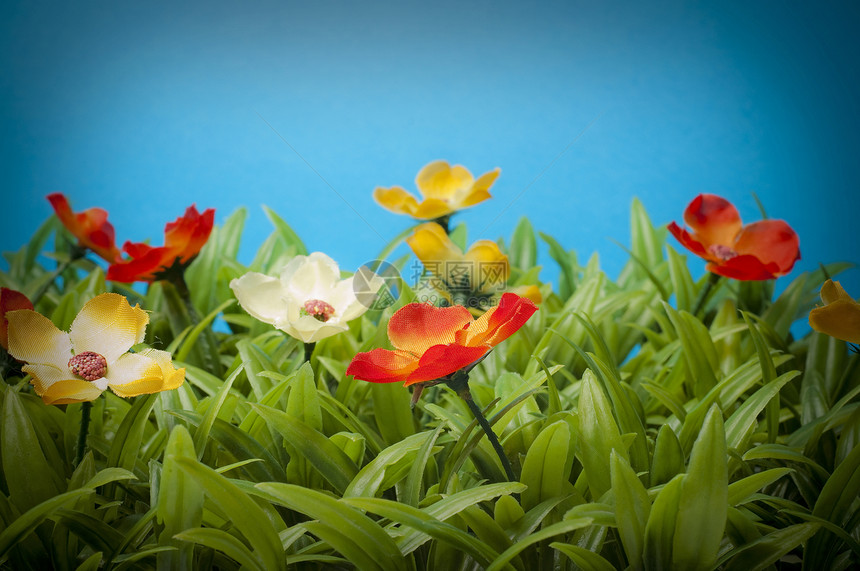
{"points": [[183, 239], [762, 250], [90, 227], [431, 343], [10, 300]]}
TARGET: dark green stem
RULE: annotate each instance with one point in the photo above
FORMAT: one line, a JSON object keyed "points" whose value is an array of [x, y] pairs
{"points": [[82, 434], [309, 350], [443, 222], [459, 382], [705, 292]]}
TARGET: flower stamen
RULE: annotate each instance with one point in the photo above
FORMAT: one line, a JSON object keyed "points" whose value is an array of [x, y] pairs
{"points": [[318, 309], [88, 365], [722, 252]]}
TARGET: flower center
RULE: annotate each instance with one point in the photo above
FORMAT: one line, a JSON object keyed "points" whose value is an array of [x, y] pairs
{"points": [[318, 309], [88, 365], [722, 252]]}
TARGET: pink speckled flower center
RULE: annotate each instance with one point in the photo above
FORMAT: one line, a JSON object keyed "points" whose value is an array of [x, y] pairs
{"points": [[722, 252], [88, 365], [318, 309]]}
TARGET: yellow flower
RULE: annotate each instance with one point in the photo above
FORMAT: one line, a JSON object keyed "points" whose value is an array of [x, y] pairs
{"points": [[839, 317], [472, 278], [445, 190], [482, 269], [94, 355]]}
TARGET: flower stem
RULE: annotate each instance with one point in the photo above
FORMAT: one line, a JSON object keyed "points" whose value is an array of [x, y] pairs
{"points": [[82, 433], [459, 382], [713, 279], [309, 350]]}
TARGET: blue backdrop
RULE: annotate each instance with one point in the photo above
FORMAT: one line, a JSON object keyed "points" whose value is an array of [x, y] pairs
{"points": [[144, 108]]}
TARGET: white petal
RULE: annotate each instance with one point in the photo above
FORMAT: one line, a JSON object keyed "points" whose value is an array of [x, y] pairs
{"points": [[311, 330], [261, 296], [310, 277]]}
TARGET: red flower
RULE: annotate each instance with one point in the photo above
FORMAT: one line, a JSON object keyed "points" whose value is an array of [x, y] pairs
{"points": [[9, 301], [762, 250], [434, 342], [90, 227], [183, 239]]}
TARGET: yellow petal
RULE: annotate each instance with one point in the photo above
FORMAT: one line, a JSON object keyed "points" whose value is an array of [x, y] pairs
{"points": [[69, 391], [173, 377], [134, 374], [33, 338], [491, 266], [395, 199], [432, 208], [108, 325], [479, 192], [832, 291], [439, 180], [531, 292], [431, 245], [839, 319]]}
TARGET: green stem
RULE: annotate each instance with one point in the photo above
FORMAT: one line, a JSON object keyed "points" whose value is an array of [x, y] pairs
{"points": [[309, 350], [705, 292], [82, 433], [459, 382], [443, 222]]}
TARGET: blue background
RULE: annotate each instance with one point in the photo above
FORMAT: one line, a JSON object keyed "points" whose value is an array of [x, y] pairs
{"points": [[144, 108]]}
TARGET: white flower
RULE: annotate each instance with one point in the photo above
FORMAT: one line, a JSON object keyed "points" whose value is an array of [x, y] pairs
{"points": [[308, 301]]}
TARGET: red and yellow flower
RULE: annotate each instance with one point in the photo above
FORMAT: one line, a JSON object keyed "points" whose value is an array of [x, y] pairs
{"points": [[10, 300], [762, 250], [183, 239], [94, 355], [839, 317], [431, 343], [90, 227], [444, 189]]}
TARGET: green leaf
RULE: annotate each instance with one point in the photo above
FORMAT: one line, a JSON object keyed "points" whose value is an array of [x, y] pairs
{"points": [[221, 541], [290, 238], [547, 465], [660, 529], [412, 486], [742, 420], [523, 250], [246, 516], [668, 457], [334, 465], [388, 467], [565, 526], [421, 521], [201, 435], [704, 499], [29, 477], [583, 558], [598, 435], [180, 501], [632, 508], [30, 520], [767, 550], [397, 422], [353, 534], [125, 447], [741, 490]]}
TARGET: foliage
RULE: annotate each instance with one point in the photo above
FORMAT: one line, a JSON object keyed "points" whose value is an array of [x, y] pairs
{"points": [[646, 436]]}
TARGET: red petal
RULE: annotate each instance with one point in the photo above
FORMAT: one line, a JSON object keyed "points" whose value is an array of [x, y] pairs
{"points": [[498, 323], [382, 366], [90, 227], [418, 326], [714, 220], [688, 241], [10, 300], [145, 261], [773, 242], [744, 268], [442, 360], [188, 233]]}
